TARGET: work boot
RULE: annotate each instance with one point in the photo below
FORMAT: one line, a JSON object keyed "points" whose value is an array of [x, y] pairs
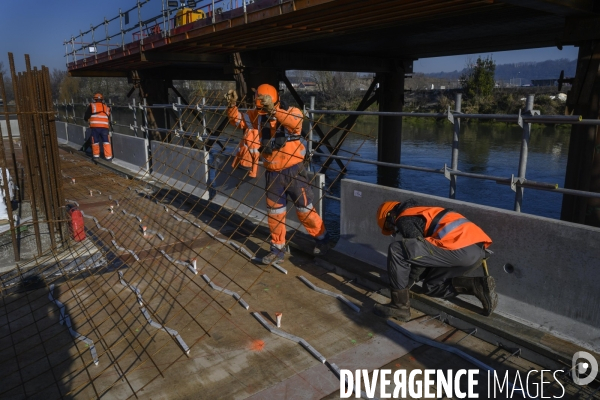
{"points": [[321, 245], [276, 255], [484, 288], [398, 308]]}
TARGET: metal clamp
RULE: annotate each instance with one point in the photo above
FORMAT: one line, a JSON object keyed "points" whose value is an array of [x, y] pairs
{"points": [[447, 170], [514, 181], [526, 113]]}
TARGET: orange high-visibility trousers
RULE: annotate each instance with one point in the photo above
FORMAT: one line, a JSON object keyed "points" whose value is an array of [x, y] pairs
{"points": [[276, 219], [291, 182], [311, 221], [100, 135], [107, 150]]}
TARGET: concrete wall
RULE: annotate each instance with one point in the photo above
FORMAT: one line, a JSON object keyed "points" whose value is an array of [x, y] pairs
{"points": [[181, 167], [235, 191], [14, 128], [75, 135], [61, 132], [556, 264], [130, 152]]}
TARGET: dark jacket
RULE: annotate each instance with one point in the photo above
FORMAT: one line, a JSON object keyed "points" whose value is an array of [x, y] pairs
{"points": [[410, 227]]}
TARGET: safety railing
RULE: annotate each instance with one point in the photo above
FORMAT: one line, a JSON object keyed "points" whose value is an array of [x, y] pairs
{"points": [[516, 182], [147, 18]]}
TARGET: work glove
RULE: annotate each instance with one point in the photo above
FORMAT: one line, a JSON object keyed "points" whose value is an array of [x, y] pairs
{"points": [[231, 97], [267, 103]]}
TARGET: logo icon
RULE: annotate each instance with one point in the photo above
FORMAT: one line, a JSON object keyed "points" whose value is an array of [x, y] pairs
{"points": [[585, 368]]}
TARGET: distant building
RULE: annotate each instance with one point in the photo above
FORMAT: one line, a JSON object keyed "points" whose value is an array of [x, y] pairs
{"points": [[306, 85], [544, 82]]}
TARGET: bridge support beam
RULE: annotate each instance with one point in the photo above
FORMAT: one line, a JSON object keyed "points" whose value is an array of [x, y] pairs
{"points": [[389, 144], [583, 165], [250, 70], [155, 91]]}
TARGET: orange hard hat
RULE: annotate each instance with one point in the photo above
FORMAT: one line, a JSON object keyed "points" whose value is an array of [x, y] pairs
{"points": [[266, 89], [382, 215], [98, 97]]}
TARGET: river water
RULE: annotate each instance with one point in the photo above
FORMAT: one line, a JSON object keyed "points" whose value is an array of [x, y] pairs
{"points": [[490, 149]]}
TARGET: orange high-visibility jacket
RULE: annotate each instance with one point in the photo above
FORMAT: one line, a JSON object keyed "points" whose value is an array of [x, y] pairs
{"points": [[452, 232], [247, 153], [290, 121], [99, 117]]}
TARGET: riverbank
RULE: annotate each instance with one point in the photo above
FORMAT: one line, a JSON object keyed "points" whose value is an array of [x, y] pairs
{"points": [[501, 101]]}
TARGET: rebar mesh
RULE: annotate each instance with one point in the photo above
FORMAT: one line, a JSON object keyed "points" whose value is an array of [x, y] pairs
{"points": [[159, 270], [166, 280]]}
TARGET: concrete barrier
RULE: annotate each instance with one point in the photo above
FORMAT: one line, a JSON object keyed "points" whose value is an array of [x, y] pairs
{"points": [[14, 128], [547, 271], [61, 132], [75, 135], [181, 167], [130, 152], [244, 195]]}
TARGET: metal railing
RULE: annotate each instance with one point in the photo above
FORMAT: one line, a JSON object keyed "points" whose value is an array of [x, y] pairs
{"points": [[121, 30], [517, 183]]}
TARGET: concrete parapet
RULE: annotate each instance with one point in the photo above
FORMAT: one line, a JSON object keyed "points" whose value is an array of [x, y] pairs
{"points": [[130, 152], [14, 128], [75, 135], [183, 168], [546, 270], [61, 132]]}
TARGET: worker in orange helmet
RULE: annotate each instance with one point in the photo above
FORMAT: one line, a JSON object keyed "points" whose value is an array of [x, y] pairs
{"points": [[436, 245], [98, 114], [277, 128]]}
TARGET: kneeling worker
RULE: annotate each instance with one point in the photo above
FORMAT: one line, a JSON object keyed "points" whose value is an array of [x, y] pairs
{"points": [[437, 245]]}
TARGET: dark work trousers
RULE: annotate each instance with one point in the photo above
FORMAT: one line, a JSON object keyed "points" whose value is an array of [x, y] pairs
{"points": [[442, 265], [290, 181]]}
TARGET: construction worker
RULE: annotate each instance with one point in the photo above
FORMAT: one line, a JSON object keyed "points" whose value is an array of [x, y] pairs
{"points": [[97, 114], [273, 130], [436, 245]]}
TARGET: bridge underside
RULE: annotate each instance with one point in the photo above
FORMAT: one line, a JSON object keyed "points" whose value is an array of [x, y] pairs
{"points": [[345, 36]]}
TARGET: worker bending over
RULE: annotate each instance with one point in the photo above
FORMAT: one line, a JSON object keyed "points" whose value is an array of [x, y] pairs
{"points": [[437, 245], [273, 131], [97, 113]]}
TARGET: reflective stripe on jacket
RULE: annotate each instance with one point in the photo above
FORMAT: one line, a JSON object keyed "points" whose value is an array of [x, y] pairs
{"points": [[452, 232], [99, 117], [247, 153], [289, 120]]}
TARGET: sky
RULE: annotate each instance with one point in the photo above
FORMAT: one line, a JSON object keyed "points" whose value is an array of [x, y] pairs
{"points": [[39, 28]]}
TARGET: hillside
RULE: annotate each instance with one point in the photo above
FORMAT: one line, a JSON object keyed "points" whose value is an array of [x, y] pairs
{"points": [[526, 71]]}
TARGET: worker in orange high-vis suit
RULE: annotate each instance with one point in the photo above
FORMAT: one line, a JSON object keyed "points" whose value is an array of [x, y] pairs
{"points": [[436, 245], [97, 114], [273, 130]]}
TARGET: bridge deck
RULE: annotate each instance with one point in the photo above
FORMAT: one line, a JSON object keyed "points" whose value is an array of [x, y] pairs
{"points": [[231, 354], [352, 29]]}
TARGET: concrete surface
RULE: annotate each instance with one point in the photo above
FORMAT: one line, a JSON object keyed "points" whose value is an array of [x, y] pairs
{"points": [[14, 126], [76, 136], [546, 270], [61, 132], [130, 152], [181, 167]]}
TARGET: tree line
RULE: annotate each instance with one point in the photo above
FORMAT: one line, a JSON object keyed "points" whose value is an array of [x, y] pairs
{"points": [[332, 90]]}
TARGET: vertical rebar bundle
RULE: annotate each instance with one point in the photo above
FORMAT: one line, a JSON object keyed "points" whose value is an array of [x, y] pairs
{"points": [[42, 183]]}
